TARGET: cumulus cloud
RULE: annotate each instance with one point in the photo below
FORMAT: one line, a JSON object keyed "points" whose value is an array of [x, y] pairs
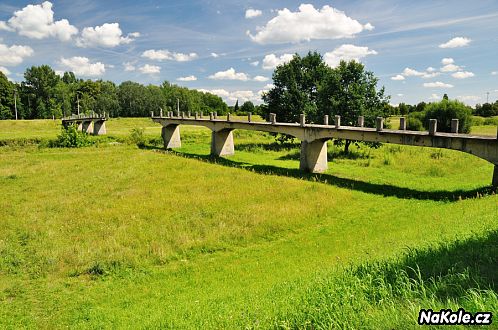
{"points": [[494, 73], [271, 61], [408, 72], [450, 68], [128, 66], [251, 13], [229, 74], [427, 74], [456, 42], [261, 78], [308, 23], [447, 60], [14, 55], [468, 98], [164, 54], [37, 22], [398, 77], [347, 52], [462, 74], [434, 97], [108, 35], [255, 63], [187, 78], [81, 66], [215, 55], [233, 96], [149, 69], [4, 70], [437, 84]]}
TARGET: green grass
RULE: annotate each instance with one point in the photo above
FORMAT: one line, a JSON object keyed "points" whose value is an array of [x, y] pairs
{"points": [[119, 237]]}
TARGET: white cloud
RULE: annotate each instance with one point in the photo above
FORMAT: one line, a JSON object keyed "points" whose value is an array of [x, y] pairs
{"points": [[427, 74], [434, 97], [14, 55], [108, 35], [229, 74], [269, 86], [468, 98], [37, 22], [81, 66], [255, 63], [271, 61], [4, 70], [251, 13], [408, 72], [399, 94], [215, 55], [149, 69], [128, 66], [220, 92], [233, 96], [261, 78], [447, 60], [450, 68], [437, 84], [462, 74], [430, 69], [347, 52], [456, 42], [306, 24], [494, 73], [398, 77], [164, 54], [187, 78]]}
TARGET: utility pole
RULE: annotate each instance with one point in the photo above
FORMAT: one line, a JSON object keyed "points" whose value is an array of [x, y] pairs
{"points": [[178, 105], [15, 101], [487, 97], [78, 102]]}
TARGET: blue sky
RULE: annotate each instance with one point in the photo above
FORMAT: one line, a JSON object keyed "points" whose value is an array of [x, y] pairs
{"points": [[419, 49]]}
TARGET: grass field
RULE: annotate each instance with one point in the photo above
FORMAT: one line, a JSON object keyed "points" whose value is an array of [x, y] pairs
{"points": [[113, 236]]}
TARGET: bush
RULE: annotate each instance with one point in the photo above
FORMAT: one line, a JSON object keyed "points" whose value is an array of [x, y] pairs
{"points": [[446, 110], [137, 137], [70, 137], [414, 121]]}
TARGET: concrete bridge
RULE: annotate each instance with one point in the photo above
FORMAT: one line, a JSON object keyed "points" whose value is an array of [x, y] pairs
{"points": [[91, 124], [313, 156]]}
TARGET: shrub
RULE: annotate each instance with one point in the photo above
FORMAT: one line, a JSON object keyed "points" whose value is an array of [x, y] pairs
{"points": [[414, 124], [70, 137], [446, 110], [137, 137]]}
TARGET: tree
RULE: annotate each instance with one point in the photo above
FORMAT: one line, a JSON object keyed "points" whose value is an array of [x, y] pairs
{"points": [[446, 110], [236, 107], [6, 97], [40, 83], [247, 107], [445, 97]]}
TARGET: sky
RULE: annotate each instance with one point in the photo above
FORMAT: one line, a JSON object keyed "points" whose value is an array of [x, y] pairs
{"points": [[419, 50]]}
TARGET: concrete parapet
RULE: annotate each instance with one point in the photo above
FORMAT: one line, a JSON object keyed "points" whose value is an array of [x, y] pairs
{"points": [[302, 120], [171, 136], [361, 121], [454, 125], [211, 116], [222, 143], [432, 126], [402, 123], [313, 156], [249, 117], [337, 121], [326, 120], [273, 118], [229, 117], [379, 124]]}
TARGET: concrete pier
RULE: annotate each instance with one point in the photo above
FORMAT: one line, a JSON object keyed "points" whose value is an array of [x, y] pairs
{"points": [[171, 136], [87, 127], [99, 127], [313, 156], [222, 143]]}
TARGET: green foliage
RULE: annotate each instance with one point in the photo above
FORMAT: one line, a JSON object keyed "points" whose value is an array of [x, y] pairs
{"points": [[486, 110], [446, 110], [137, 137], [70, 137], [6, 97]]}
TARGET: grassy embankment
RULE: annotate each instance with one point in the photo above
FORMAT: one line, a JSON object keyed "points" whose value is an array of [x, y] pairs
{"points": [[116, 236]]}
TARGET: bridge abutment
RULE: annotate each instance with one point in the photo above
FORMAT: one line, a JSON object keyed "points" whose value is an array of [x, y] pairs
{"points": [[222, 143], [313, 157], [171, 136]]}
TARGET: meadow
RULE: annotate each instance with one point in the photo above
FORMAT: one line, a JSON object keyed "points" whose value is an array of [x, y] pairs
{"points": [[116, 236]]}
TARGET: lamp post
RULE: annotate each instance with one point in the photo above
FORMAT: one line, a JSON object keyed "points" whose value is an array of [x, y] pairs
{"points": [[15, 101]]}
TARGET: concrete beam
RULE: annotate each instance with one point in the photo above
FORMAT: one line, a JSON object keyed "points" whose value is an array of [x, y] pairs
{"points": [[171, 136], [99, 127], [222, 143], [87, 126], [313, 157]]}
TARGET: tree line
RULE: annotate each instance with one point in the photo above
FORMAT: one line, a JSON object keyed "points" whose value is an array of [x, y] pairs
{"points": [[45, 94]]}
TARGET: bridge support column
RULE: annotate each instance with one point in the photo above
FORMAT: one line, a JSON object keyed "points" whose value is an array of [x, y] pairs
{"points": [[87, 126], [313, 156], [171, 136], [222, 143], [495, 177], [99, 127]]}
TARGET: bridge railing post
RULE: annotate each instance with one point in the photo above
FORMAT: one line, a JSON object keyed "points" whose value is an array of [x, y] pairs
{"points": [[326, 120], [161, 113], [196, 115], [302, 120], [454, 126], [188, 114], [215, 115], [337, 121], [379, 124], [273, 118], [183, 115], [432, 126], [211, 117], [361, 121], [249, 117], [402, 123], [229, 117]]}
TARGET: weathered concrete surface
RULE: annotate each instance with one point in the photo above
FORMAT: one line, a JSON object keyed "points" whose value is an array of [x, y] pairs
{"points": [[87, 126], [222, 143], [171, 136], [99, 127], [313, 156]]}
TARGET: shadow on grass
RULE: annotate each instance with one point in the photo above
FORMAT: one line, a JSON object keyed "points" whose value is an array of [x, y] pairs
{"points": [[274, 146], [332, 154], [385, 190]]}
